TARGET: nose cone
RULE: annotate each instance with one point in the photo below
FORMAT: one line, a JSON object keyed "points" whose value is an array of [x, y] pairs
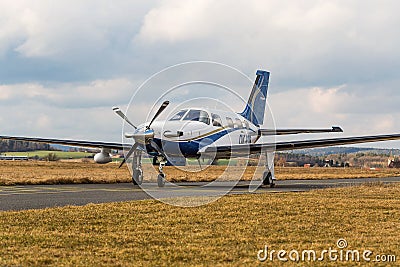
{"points": [[141, 135]]}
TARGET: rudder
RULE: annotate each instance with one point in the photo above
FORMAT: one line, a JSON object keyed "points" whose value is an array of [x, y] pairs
{"points": [[255, 107]]}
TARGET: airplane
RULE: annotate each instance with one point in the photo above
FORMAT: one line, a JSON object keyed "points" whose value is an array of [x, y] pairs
{"points": [[201, 132]]}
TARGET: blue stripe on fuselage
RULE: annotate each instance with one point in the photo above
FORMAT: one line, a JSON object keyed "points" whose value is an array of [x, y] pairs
{"points": [[189, 148]]}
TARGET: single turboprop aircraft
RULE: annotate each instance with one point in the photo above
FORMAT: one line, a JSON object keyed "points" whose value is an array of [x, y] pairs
{"points": [[200, 132]]}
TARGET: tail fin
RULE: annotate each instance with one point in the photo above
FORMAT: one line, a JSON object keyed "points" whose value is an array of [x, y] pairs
{"points": [[255, 107]]}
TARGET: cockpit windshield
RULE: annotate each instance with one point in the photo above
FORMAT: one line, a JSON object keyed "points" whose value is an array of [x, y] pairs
{"points": [[197, 115], [178, 116], [192, 115]]}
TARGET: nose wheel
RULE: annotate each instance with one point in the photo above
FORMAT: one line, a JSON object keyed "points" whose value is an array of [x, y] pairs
{"points": [[137, 173], [137, 177], [161, 180], [161, 174]]}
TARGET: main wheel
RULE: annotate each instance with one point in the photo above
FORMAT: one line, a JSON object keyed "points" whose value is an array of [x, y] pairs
{"points": [[267, 178], [137, 177], [161, 180]]}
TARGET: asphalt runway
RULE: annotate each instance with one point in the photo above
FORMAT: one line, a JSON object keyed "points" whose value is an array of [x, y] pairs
{"points": [[46, 196]]}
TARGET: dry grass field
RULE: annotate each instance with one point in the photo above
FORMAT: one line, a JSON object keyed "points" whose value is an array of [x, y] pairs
{"points": [[229, 231], [40, 172]]}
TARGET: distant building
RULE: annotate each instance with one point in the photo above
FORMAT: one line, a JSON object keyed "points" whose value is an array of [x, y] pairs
{"points": [[3, 157], [331, 163], [291, 164]]}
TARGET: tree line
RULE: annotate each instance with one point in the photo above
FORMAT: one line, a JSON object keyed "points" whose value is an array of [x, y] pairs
{"points": [[359, 159], [21, 146]]}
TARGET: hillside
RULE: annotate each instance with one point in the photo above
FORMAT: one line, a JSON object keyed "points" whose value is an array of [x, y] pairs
{"points": [[345, 150]]}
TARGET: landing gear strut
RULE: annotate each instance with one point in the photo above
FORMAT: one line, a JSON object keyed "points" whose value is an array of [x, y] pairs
{"points": [[161, 174], [268, 177], [137, 173]]}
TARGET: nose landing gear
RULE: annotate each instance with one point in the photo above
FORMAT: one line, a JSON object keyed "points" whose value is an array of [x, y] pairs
{"points": [[161, 175], [137, 173]]}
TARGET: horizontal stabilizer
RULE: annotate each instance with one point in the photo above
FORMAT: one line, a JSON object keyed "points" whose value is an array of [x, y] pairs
{"points": [[243, 150], [334, 129]]}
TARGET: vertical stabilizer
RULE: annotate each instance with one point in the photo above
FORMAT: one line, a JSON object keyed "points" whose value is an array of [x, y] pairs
{"points": [[255, 107]]}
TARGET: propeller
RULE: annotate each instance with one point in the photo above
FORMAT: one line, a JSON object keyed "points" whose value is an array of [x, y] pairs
{"points": [[122, 115], [140, 136], [130, 152], [161, 109]]}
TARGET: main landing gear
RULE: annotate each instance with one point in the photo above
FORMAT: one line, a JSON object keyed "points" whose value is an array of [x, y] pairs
{"points": [[268, 179]]}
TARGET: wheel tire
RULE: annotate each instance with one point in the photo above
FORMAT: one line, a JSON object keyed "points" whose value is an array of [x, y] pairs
{"points": [[267, 178], [137, 177], [271, 180], [161, 180]]}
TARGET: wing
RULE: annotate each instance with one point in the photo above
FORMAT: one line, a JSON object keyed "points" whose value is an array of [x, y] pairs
{"points": [[248, 149], [334, 129], [117, 146]]}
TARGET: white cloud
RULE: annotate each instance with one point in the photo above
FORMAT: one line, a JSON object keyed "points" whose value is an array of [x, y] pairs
{"points": [[325, 107], [70, 95], [298, 41], [174, 21], [63, 29]]}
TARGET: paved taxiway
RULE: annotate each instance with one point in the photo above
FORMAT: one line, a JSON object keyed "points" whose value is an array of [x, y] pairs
{"points": [[44, 196]]}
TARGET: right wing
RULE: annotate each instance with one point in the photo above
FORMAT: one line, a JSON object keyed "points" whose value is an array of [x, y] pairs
{"points": [[109, 145], [334, 129], [226, 152]]}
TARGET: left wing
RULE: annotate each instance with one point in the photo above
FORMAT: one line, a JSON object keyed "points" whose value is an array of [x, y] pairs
{"points": [[222, 152], [109, 145]]}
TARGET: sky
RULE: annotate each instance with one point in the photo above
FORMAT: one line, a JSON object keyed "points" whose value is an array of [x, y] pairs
{"points": [[65, 64]]}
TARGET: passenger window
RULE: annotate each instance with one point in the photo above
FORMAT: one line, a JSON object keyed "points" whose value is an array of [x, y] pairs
{"points": [[238, 124], [216, 120], [246, 124], [229, 122], [178, 116]]}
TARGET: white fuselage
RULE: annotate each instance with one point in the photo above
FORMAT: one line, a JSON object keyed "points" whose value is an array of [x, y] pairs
{"points": [[192, 129]]}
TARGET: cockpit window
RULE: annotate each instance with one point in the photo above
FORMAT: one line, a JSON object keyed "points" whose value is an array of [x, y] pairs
{"points": [[197, 115], [178, 116], [204, 117]]}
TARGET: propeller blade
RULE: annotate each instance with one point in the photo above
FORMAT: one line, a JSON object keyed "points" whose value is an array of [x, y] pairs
{"points": [[122, 115], [157, 148], [133, 148], [161, 109]]}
